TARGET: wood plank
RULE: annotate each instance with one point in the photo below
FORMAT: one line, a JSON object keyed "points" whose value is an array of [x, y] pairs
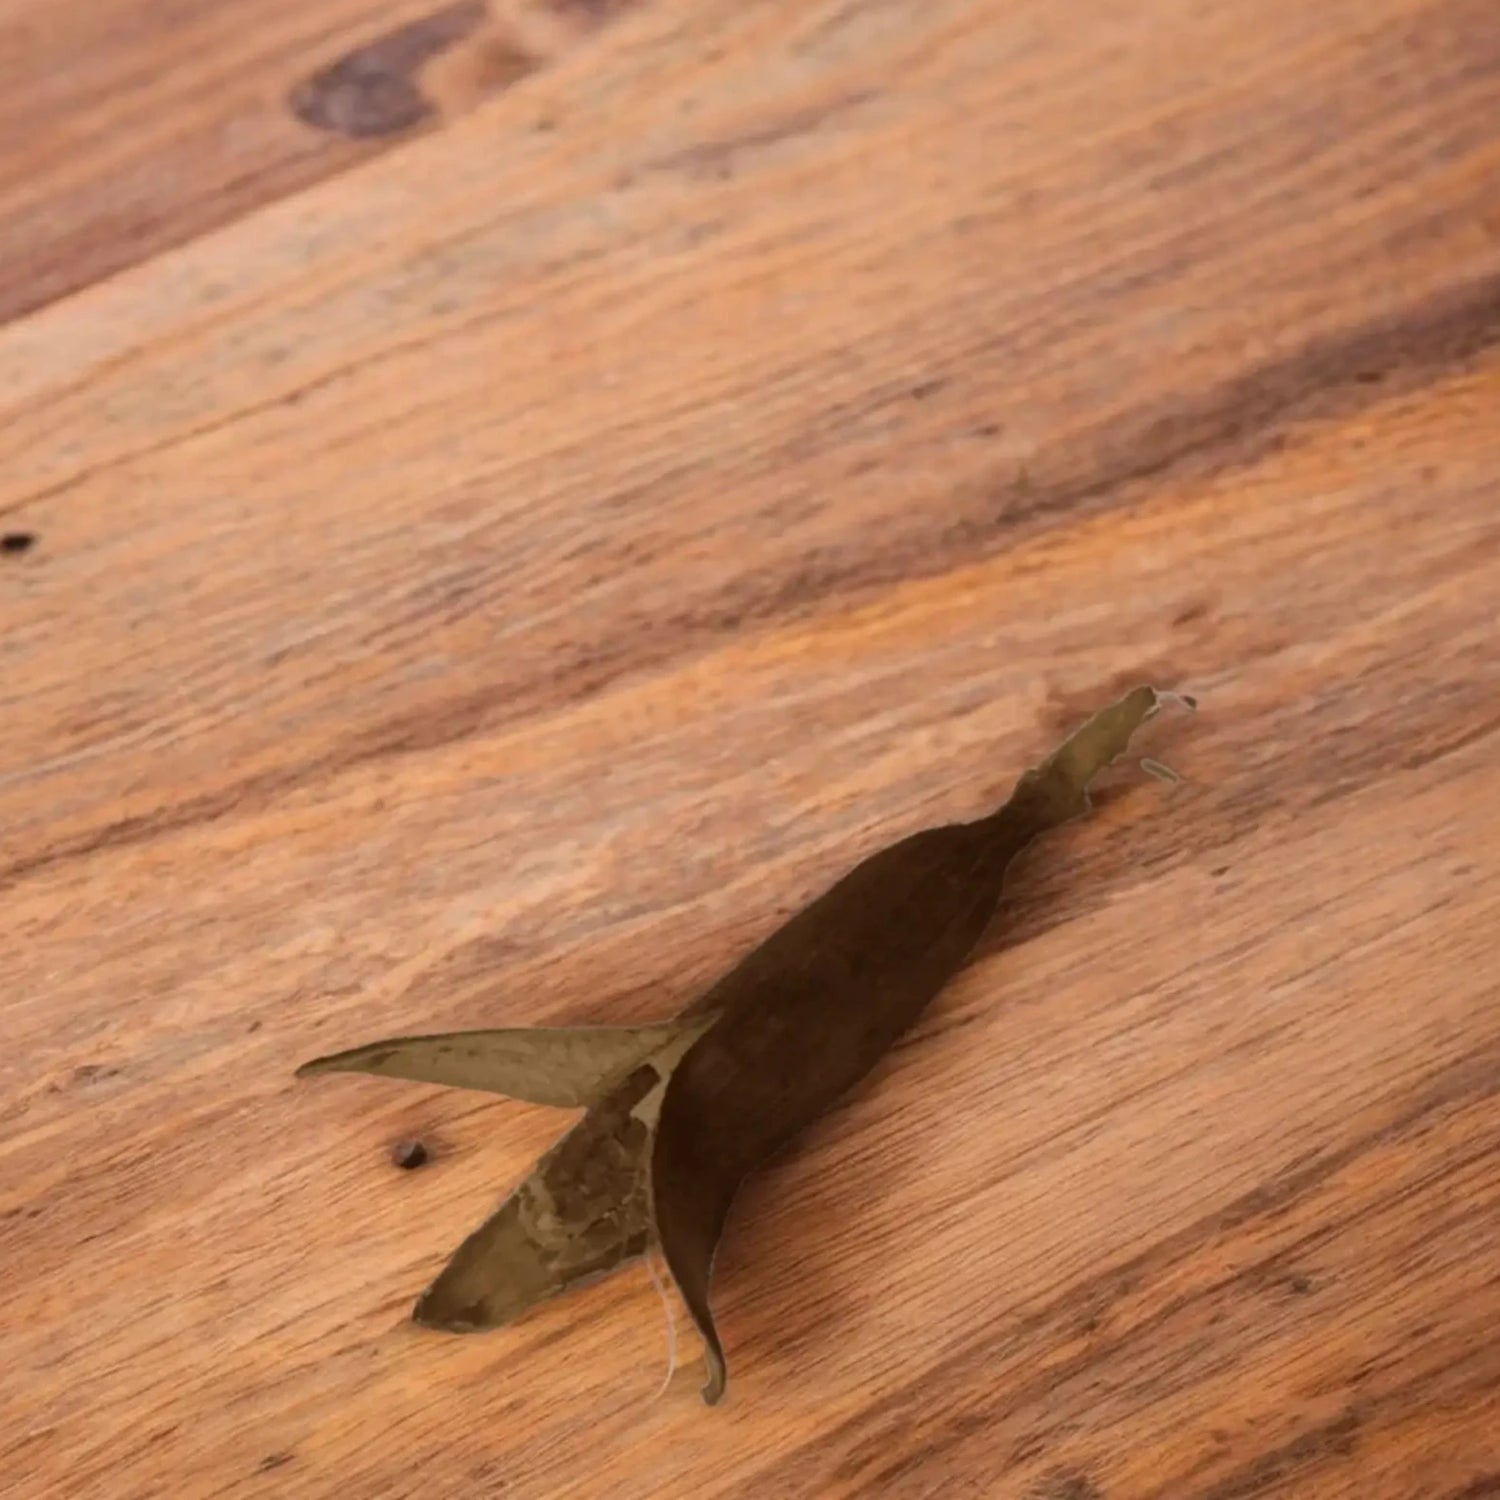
{"points": [[132, 126], [775, 426]]}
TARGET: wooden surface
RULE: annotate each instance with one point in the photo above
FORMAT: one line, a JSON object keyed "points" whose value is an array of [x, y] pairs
{"points": [[490, 567]]}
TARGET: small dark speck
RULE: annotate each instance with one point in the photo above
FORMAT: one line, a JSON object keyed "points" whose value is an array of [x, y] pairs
{"points": [[253, 1026], [17, 541], [1301, 1285], [924, 388], [409, 1155], [1219, 870], [274, 1461], [1370, 377]]}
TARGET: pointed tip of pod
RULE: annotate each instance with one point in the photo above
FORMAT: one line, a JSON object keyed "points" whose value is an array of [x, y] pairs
{"points": [[714, 1387]]}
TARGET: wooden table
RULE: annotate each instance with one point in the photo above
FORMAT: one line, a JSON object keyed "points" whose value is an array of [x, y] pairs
{"points": [[504, 505]]}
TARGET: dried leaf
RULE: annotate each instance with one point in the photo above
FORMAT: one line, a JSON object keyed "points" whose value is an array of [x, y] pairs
{"points": [[680, 1113], [811, 1011], [583, 1209], [570, 1066]]}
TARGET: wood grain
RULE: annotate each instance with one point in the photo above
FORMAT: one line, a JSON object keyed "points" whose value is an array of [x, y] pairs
{"points": [[133, 125], [496, 584]]}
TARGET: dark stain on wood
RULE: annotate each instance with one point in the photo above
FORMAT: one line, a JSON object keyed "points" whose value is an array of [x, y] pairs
{"points": [[1267, 1471], [86, 1073], [1248, 415], [595, 11], [373, 91], [1191, 612], [1064, 1484], [1481, 1488]]}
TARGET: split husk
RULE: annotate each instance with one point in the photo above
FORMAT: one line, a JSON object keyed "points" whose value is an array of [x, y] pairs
{"points": [[679, 1113]]}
